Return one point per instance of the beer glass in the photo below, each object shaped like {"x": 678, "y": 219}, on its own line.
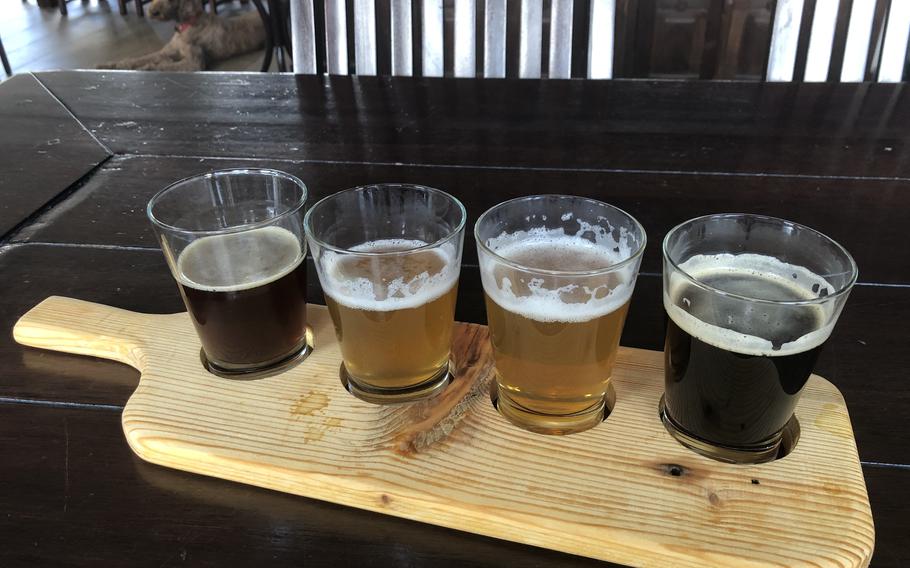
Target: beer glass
{"x": 388, "y": 258}
{"x": 234, "y": 242}
{"x": 750, "y": 301}
{"x": 558, "y": 272}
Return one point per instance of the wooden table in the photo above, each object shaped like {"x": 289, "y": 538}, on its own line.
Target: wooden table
{"x": 82, "y": 152}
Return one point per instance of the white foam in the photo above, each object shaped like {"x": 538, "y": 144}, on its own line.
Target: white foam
{"x": 799, "y": 280}
{"x": 552, "y": 298}
{"x": 398, "y": 293}
{"x": 239, "y": 261}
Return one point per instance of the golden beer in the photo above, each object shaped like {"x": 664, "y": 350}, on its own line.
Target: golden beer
{"x": 554, "y": 367}
{"x": 393, "y": 315}
{"x": 558, "y": 272}
{"x": 555, "y": 337}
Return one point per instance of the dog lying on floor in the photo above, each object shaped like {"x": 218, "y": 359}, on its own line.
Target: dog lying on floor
{"x": 200, "y": 38}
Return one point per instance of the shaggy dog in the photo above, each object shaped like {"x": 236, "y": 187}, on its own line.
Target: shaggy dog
{"x": 200, "y": 39}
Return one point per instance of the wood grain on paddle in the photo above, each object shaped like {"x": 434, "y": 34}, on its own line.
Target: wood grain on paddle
{"x": 624, "y": 491}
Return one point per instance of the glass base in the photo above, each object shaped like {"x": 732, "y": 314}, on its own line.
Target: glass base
{"x": 267, "y": 369}
{"x": 758, "y": 453}
{"x": 428, "y": 388}
{"x": 553, "y": 424}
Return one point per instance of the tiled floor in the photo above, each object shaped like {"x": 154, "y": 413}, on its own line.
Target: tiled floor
{"x": 39, "y": 39}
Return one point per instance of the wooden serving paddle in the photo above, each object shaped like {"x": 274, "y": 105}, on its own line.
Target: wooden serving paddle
{"x": 624, "y": 491}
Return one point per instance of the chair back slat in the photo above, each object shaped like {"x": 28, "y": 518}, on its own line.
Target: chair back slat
{"x": 365, "y": 37}
{"x": 336, "y": 38}
{"x": 856, "y": 51}
{"x": 821, "y": 40}
{"x": 530, "y": 39}
{"x": 894, "y": 50}
{"x": 303, "y": 43}
{"x": 784, "y": 40}
{"x": 432, "y": 41}
{"x": 600, "y": 39}
{"x": 401, "y": 38}
{"x": 465, "y": 38}
{"x": 561, "y": 16}
{"x": 494, "y": 39}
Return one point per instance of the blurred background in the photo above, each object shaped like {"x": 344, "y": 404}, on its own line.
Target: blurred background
{"x": 686, "y": 39}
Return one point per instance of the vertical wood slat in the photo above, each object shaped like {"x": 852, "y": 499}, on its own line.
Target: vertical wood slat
{"x": 494, "y": 42}
{"x": 303, "y": 34}
{"x": 365, "y": 37}
{"x": 336, "y": 38}
{"x": 894, "y": 50}
{"x": 784, "y": 40}
{"x": 879, "y": 22}
{"x": 600, "y": 39}
{"x": 402, "y": 38}
{"x": 465, "y": 38}
{"x": 561, "y": 14}
{"x": 432, "y": 40}
{"x": 531, "y": 37}
{"x": 821, "y": 40}
{"x": 856, "y": 51}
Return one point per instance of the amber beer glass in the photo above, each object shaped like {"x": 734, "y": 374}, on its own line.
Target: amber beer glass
{"x": 750, "y": 302}
{"x": 388, "y": 258}
{"x": 558, "y": 272}
{"x": 234, "y": 242}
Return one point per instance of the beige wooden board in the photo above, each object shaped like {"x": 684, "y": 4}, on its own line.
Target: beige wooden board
{"x": 607, "y": 493}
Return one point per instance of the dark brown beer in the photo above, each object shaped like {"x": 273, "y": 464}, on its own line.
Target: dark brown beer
{"x": 246, "y": 295}
{"x": 738, "y": 385}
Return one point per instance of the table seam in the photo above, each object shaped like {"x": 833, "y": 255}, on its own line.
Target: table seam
{"x": 503, "y": 167}
{"x": 72, "y": 114}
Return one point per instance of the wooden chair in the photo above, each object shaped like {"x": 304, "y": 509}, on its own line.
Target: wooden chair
{"x": 871, "y": 52}
{"x": 418, "y": 26}
{"x": 412, "y": 37}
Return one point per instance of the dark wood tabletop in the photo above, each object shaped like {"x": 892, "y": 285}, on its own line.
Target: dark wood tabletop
{"x": 81, "y": 153}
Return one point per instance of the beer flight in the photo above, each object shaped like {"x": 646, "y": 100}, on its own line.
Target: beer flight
{"x": 749, "y": 299}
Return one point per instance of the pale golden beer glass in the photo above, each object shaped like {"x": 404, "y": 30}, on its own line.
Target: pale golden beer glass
{"x": 388, "y": 258}
{"x": 558, "y": 272}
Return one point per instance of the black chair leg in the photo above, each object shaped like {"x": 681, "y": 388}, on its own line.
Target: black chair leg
{"x": 122, "y": 5}
{"x": 5, "y": 61}
{"x": 269, "y": 39}
{"x": 63, "y": 7}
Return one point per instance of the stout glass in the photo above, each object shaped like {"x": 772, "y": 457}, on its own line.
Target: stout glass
{"x": 234, "y": 242}
{"x": 750, "y": 302}
{"x": 558, "y": 272}
{"x": 388, "y": 258}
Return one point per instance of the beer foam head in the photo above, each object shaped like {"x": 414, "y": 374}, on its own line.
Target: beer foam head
{"x": 752, "y": 276}
{"x": 239, "y": 261}
{"x": 565, "y": 277}
{"x": 389, "y": 282}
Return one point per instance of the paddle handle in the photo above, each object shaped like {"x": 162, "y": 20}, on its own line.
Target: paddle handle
{"x": 86, "y": 328}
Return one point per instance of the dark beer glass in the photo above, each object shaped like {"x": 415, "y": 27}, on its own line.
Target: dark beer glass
{"x": 750, "y": 302}
{"x": 234, "y": 242}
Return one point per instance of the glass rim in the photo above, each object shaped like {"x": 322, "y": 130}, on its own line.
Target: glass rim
{"x": 854, "y": 270}
{"x": 296, "y": 207}
{"x": 310, "y": 233}
{"x": 613, "y": 267}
